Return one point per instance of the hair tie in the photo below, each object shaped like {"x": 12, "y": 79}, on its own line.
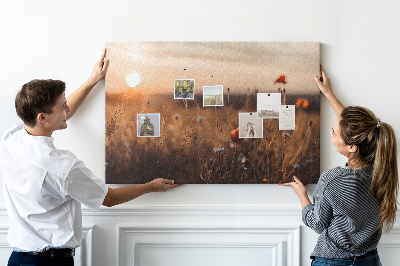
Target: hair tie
{"x": 379, "y": 124}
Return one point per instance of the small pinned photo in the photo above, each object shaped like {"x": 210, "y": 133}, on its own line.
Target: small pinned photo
{"x": 268, "y": 105}
{"x": 213, "y": 95}
{"x": 148, "y": 125}
{"x": 184, "y": 89}
{"x": 250, "y": 126}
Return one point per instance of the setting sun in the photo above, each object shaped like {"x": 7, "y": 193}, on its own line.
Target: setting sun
{"x": 133, "y": 79}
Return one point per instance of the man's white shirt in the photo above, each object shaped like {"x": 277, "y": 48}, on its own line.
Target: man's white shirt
{"x": 44, "y": 188}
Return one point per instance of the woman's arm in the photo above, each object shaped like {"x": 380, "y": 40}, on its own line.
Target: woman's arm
{"x": 300, "y": 191}
{"x": 317, "y": 216}
{"x": 326, "y": 89}
{"x": 76, "y": 98}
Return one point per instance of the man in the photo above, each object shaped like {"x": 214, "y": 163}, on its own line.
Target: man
{"x": 44, "y": 187}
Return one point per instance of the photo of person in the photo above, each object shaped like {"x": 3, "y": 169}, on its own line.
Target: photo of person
{"x": 250, "y": 126}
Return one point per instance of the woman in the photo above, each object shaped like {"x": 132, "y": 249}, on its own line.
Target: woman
{"x": 355, "y": 203}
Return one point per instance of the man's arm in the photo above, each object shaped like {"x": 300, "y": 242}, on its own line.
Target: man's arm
{"x": 326, "y": 89}
{"x": 124, "y": 194}
{"x": 76, "y": 98}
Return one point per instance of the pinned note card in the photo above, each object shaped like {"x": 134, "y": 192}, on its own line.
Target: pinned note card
{"x": 287, "y": 117}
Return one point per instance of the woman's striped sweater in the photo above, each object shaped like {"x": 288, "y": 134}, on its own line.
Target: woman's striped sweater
{"x": 345, "y": 213}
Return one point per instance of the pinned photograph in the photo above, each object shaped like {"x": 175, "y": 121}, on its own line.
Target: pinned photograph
{"x": 184, "y": 89}
{"x": 268, "y": 105}
{"x": 213, "y": 95}
{"x": 250, "y": 126}
{"x": 148, "y": 125}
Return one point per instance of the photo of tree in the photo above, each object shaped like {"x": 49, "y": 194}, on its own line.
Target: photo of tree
{"x": 200, "y": 138}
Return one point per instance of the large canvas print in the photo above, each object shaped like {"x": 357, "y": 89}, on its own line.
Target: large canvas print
{"x": 173, "y": 110}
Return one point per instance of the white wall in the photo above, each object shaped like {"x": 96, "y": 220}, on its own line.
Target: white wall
{"x": 199, "y": 224}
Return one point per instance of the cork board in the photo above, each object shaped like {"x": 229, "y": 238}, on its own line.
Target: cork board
{"x": 187, "y": 111}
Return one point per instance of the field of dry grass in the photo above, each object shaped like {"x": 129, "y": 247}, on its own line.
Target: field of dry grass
{"x": 196, "y": 146}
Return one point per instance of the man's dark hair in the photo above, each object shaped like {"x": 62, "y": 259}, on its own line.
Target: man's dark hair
{"x": 37, "y": 96}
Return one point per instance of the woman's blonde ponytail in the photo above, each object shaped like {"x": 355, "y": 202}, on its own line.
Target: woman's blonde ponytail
{"x": 376, "y": 143}
{"x": 385, "y": 183}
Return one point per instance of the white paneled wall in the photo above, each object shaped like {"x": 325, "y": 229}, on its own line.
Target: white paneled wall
{"x": 168, "y": 236}
{"x": 199, "y": 224}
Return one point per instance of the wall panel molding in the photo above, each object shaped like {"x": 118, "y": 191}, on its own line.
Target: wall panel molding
{"x": 126, "y": 210}
{"x": 5, "y": 249}
{"x": 389, "y": 247}
{"x": 268, "y": 245}
{"x": 84, "y": 254}
{"x": 239, "y": 254}
{"x": 196, "y": 210}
